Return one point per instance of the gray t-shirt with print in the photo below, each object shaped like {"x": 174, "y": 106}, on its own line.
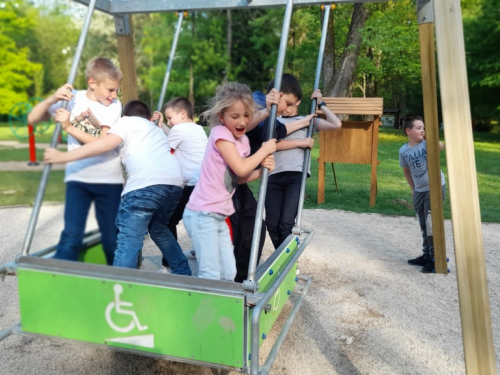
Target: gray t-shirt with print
{"x": 415, "y": 158}
{"x": 291, "y": 160}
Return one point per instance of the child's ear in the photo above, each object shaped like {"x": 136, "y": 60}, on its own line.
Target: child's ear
{"x": 297, "y": 103}
{"x": 91, "y": 83}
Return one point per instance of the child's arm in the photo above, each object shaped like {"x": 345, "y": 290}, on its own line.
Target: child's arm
{"x": 41, "y": 110}
{"x": 332, "y": 122}
{"x": 62, "y": 116}
{"x": 244, "y": 166}
{"x": 159, "y": 116}
{"x": 100, "y": 146}
{"x": 294, "y": 143}
{"x": 406, "y": 171}
{"x": 272, "y": 98}
{"x": 268, "y": 163}
{"x": 293, "y": 126}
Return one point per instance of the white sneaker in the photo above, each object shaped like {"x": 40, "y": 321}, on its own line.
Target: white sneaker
{"x": 164, "y": 269}
{"x": 190, "y": 254}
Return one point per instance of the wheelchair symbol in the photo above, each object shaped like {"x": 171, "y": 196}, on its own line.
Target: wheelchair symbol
{"x": 118, "y": 307}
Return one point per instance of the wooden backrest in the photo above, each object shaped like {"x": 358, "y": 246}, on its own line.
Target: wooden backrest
{"x": 351, "y": 144}
{"x": 355, "y": 106}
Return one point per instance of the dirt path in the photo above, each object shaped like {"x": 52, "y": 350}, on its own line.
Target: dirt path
{"x": 367, "y": 311}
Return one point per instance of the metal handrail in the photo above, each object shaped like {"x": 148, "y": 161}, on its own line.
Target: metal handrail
{"x": 307, "y": 153}
{"x": 250, "y": 283}
{"x": 55, "y": 137}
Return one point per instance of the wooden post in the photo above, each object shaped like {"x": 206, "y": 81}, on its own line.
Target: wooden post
{"x": 321, "y": 171}
{"x": 469, "y": 251}
{"x": 374, "y": 157}
{"x": 428, "y": 63}
{"x": 126, "y": 57}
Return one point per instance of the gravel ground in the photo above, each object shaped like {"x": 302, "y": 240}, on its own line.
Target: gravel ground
{"x": 367, "y": 311}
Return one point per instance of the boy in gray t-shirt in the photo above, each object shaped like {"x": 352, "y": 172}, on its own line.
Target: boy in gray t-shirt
{"x": 413, "y": 160}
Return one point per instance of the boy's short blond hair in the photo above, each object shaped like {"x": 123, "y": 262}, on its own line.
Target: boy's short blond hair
{"x": 100, "y": 68}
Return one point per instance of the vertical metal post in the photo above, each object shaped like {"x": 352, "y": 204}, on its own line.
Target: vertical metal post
{"x": 170, "y": 61}
{"x": 250, "y": 282}
{"x": 307, "y": 153}
{"x": 55, "y": 136}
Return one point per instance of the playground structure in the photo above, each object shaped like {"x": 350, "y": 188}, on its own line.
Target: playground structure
{"x": 247, "y": 311}
{"x": 18, "y": 123}
{"x": 355, "y": 143}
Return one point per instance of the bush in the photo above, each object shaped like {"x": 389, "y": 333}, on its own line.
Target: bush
{"x": 483, "y": 127}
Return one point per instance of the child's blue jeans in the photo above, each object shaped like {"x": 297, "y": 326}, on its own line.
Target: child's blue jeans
{"x": 149, "y": 209}
{"x": 212, "y": 244}
{"x": 79, "y": 197}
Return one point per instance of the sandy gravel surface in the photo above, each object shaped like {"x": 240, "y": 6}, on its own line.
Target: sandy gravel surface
{"x": 367, "y": 311}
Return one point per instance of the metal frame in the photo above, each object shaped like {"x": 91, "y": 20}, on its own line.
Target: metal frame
{"x": 154, "y": 6}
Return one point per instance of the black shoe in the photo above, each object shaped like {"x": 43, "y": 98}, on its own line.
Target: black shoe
{"x": 420, "y": 261}
{"x": 164, "y": 263}
{"x": 428, "y": 268}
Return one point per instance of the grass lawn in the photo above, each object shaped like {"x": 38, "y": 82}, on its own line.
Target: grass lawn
{"x": 394, "y": 195}
{"x": 393, "y": 198}
{"x": 21, "y": 187}
{"x": 6, "y": 134}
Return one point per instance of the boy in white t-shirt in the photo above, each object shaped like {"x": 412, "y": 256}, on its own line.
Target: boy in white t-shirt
{"x": 99, "y": 179}
{"x": 152, "y": 190}
{"x": 188, "y": 142}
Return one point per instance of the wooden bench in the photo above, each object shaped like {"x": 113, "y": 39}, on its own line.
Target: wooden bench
{"x": 355, "y": 143}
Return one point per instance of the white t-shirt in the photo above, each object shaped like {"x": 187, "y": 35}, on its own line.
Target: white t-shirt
{"x": 145, "y": 154}
{"x": 90, "y": 117}
{"x": 189, "y": 141}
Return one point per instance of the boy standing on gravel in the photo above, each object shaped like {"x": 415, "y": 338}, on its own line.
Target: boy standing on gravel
{"x": 413, "y": 160}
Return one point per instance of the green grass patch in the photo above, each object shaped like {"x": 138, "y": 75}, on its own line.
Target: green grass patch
{"x": 18, "y": 154}
{"x": 6, "y": 134}
{"x": 17, "y": 188}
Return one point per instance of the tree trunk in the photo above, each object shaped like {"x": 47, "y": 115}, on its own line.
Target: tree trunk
{"x": 328, "y": 68}
{"x": 344, "y": 75}
{"x": 229, "y": 44}
{"x": 191, "y": 73}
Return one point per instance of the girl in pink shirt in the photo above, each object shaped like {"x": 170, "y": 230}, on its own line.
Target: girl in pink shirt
{"x": 225, "y": 164}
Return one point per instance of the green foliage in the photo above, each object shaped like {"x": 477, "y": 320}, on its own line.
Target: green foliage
{"x": 390, "y": 62}
{"x": 18, "y": 72}
{"x": 482, "y": 34}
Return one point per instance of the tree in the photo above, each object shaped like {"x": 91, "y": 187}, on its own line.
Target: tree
{"x": 482, "y": 34}
{"x": 18, "y": 72}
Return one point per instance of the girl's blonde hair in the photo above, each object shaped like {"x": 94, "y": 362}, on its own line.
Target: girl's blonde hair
{"x": 225, "y": 96}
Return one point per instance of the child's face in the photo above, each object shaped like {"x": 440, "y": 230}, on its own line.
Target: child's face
{"x": 288, "y": 105}
{"x": 236, "y": 118}
{"x": 104, "y": 92}
{"x": 417, "y": 133}
{"x": 173, "y": 118}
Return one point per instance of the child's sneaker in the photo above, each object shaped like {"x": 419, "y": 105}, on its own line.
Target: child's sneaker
{"x": 190, "y": 254}
{"x": 164, "y": 269}
{"x": 428, "y": 268}
{"x": 420, "y": 261}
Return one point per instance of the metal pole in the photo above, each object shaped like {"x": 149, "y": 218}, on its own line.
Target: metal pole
{"x": 9, "y": 331}
{"x": 170, "y": 61}
{"x": 249, "y": 283}
{"x": 307, "y": 153}
{"x": 53, "y": 143}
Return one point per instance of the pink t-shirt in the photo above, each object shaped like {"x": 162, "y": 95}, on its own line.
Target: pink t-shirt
{"x": 215, "y": 187}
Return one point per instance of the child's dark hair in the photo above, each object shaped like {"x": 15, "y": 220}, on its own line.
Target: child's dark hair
{"x": 137, "y": 108}
{"x": 289, "y": 85}
{"x": 180, "y": 103}
{"x": 408, "y": 124}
